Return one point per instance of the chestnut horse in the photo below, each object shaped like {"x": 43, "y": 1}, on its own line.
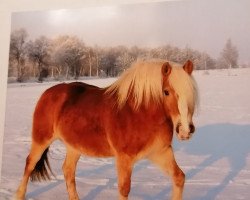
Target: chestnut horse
{"x": 132, "y": 119}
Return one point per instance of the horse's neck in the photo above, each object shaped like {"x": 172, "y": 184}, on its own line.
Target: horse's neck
{"x": 153, "y": 112}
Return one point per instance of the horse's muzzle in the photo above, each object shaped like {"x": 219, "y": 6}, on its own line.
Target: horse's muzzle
{"x": 185, "y": 134}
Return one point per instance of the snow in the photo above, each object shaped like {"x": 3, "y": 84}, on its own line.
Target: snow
{"x": 216, "y": 160}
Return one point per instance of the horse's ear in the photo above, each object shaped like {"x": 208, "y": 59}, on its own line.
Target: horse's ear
{"x": 166, "y": 69}
{"x": 188, "y": 67}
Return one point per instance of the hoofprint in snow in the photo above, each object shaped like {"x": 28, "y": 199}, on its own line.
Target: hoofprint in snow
{"x": 216, "y": 160}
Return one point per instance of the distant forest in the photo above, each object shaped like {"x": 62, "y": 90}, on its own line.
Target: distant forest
{"x": 68, "y": 57}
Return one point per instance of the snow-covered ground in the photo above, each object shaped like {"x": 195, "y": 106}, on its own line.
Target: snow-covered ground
{"x": 216, "y": 161}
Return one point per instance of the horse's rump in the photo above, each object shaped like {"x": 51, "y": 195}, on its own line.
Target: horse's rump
{"x": 73, "y": 113}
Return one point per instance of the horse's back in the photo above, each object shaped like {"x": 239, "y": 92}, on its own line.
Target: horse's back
{"x": 54, "y": 97}
{"x": 58, "y": 95}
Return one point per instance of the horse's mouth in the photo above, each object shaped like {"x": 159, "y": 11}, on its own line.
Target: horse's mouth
{"x": 183, "y": 137}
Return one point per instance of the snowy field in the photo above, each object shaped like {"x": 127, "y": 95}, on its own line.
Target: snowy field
{"x": 216, "y": 161}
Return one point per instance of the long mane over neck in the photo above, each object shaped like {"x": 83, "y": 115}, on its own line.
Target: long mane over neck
{"x": 142, "y": 82}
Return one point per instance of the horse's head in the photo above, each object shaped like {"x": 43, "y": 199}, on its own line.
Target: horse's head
{"x": 179, "y": 98}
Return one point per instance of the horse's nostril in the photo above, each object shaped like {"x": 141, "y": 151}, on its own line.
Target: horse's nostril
{"x": 177, "y": 128}
{"x": 191, "y": 128}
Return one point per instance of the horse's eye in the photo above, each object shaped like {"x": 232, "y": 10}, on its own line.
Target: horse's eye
{"x": 166, "y": 92}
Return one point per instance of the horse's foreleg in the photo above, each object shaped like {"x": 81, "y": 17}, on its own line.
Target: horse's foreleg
{"x": 166, "y": 161}
{"x": 124, "y": 169}
{"x": 69, "y": 168}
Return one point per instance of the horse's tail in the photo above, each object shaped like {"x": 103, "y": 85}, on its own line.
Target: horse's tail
{"x": 42, "y": 169}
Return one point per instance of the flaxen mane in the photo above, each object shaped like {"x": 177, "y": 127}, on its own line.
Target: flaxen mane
{"x": 143, "y": 82}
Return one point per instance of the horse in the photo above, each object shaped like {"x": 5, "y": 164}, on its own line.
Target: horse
{"x": 132, "y": 119}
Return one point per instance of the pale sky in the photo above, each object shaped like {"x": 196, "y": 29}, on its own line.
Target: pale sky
{"x": 204, "y": 25}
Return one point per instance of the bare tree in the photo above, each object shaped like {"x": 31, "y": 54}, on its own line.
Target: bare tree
{"x": 167, "y": 52}
{"x": 38, "y": 52}
{"x": 17, "y": 51}
{"x": 90, "y": 55}
{"x": 108, "y": 61}
{"x": 124, "y": 59}
{"x": 137, "y": 52}
{"x": 229, "y": 55}
{"x": 97, "y": 54}
{"x": 69, "y": 53}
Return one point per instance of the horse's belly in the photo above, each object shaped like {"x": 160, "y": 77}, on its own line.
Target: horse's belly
{"x": 91, "y": 146}
{"x": 95, "y": 150}
{"x": 88, "y": 140}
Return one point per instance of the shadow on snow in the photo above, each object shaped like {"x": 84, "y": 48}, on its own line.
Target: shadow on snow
{"x": 217, "y": 141}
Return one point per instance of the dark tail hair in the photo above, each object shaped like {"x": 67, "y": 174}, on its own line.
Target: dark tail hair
{"x": 42, "y": 169}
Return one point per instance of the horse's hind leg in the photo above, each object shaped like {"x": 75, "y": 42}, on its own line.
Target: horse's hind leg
{"x": 124, "y": 169}
{"x": 166, "y": 161}
{"x": 36, "y": 153}
{"x": 69, "y": 168}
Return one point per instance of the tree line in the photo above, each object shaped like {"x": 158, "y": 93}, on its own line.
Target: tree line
{"x": 68, "y": 57}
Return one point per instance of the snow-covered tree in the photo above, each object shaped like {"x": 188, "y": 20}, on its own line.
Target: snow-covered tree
{"x": 108, "y": 61}
{"x": 124, "y": 59}
{"x": 166, "y": 52}
{"x": 229, "y": 56}
{"x": 38, "y": 52}
{"x": 68, "y": 55}
{"x": 17, "y": 51}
